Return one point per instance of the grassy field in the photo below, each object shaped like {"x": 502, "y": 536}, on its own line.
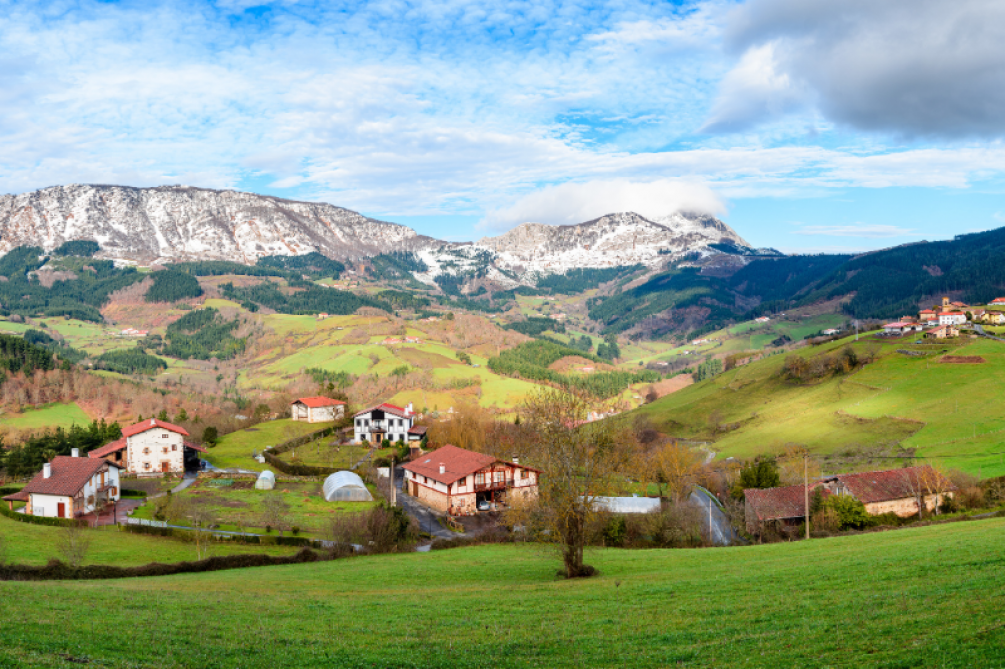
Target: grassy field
{"x": 949, "y": 412}
{"x": 240, "y": 505}
{"x": 322, "y": 453}
{"x": 920, "y": 597}
{"x": 50, "y": 416}
{"x": 234, "y": 449}
{"x": 25, "y": 543}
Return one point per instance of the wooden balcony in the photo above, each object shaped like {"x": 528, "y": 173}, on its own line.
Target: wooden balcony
{"x": 493, "y": 485}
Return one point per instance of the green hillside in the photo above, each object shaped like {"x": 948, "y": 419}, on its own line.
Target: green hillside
{"x": 949, "y": 412}
{"x": 920, "y": 597}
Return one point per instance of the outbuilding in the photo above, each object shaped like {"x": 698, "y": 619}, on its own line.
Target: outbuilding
{"x": 266, "y": 481}
{"x": 346, "y": 486}
{"x": 317, "y": 409}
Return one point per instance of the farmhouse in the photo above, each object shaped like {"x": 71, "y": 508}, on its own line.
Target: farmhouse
{"x": 994, "y": 317}
{"x": 317, "y": 409}
{"x": 952, "y": 318}
{"x": 900, "y": 327}
{"x": 69, "y": 487}
{"x": 998, "y": 301}
{"x": 386, "y": 421}
{"x": 898, "y": 491}
{"x": 151, "y": 448}
{"x": 942, "y": 332}
{"x": 458, "y": 481}
{"x": 785, "y": 506}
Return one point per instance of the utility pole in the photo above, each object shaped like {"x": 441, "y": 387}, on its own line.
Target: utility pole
{"x": 394, "y": 491}
{"x": 806, "y": 491}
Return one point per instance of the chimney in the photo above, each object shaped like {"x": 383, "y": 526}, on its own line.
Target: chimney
{"x": 516, "y": 459}
{"x": 46, "y": 470}
{"x": 74, "y": 452}
{"x": 443, "y": 468}
{"x": 408, "y": 409}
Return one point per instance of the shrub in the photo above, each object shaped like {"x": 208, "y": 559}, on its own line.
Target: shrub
{"x": 615, "y": 531}
{"x": 850, "y": 512}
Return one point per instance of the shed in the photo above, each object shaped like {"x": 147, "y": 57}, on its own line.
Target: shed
{"x": 346, "y": 487}
{"x": 627, "y": 504}
{"x": 266, "y": 481}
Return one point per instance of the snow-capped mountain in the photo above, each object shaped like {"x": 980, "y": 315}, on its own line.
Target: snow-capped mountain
{"x": 616, "y": 239}
{"x": 171, "y": 223}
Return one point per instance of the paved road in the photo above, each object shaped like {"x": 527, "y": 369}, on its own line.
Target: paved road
{"x": 426, "y": 518}
{"x": 722, "y": 532}
{"x": 979, "y": 329}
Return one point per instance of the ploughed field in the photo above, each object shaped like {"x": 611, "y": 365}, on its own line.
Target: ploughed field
{"x": 919, "y": 597}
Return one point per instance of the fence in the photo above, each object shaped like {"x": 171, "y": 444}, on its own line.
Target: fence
{"x": 146, "y": 523}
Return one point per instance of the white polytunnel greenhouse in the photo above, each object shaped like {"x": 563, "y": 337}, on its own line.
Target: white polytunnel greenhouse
{"x": 266, "y": 481}
{"x": 346, "y": 487}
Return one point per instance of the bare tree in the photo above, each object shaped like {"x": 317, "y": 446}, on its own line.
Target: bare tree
{"x": 72, "y": 542}
{"x": 200, "y": 517}
{"x": 275, "y": 511}
{"x": 580, "y": 462}
{"x": 677, "y": 467}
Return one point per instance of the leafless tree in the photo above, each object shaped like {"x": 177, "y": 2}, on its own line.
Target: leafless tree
{"x": 73, "y": 542}
{"x": 275, "y": 511}
{"x": 580, "y": 461}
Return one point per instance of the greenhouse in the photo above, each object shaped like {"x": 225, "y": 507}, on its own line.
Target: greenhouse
{"x": 266, "y": 481}
{"x": 346, "y": 487}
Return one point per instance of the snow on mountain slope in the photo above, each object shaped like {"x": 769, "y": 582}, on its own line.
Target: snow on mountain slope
{"x": 616, "y": 239}
{"x": 171, "y": 223}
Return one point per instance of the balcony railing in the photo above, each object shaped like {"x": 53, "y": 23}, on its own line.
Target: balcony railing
{"x": 493, "y": 485}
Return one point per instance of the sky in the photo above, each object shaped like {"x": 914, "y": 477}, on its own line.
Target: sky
{"x": 807, "y": 125}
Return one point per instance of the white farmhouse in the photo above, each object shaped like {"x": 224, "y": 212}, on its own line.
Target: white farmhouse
{"x": 150, "y": 448}
{"x": 69, "y": 487}
{"x": 952, "y": 318}
{"x": 317, "y": 409}
{"x": 386, "y": 421}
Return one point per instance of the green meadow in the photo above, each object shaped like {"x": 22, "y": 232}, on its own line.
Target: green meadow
{"x": 951, "y": 413}
{"x": 919, "y": 597}
{"x": 234, "y": 449}
{"x": 49, "y": 416}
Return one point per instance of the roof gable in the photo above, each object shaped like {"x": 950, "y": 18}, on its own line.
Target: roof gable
{"x": 779, "y": 503}
{"x": 67, "y": 476}
{"x": 457, "y": 462}
{"x": 386, "y": 408}
{"x": 317, "y": 402}
{"x": 108, "y": 449}
{"x": 143, "y": 426}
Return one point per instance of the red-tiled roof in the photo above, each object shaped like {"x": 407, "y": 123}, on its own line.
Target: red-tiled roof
{"x": 317, "y": 402}
{"x": 19, "y": 496}
{"x": 418, "y": 429}
{"x": 108, "y": 449}
{"x": 885, "y": 486}
{"x": 953, "y": 313}
{"x": 457, "y": 462}
{"x": 67, "y": 477}
{"x": 194, "y": 447}
{"x": 778, "y": 503}
{"x": 386, "y": 408}
{"x": 145, "y": 425}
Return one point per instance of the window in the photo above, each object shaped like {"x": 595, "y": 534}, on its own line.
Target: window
{"x": 165, "y": 435}
{"x": 146, "y": 465}
{"x": 164, "y": 450}
{"x": 146, "y": 451}
{"x": 174, "y": 447}
{"x": 524, "y": 474}
{"x": 500, "y": 476}
{"x": 479, "y": 479}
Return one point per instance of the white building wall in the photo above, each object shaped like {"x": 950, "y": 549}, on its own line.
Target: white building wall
{"x": 148, "y": 450}
{"x": 48, "y": 505}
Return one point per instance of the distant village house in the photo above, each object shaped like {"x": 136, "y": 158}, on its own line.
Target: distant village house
{"x": 151, "y": 448}
{"x": 386, "y": 421}
{"x": 69, "y": 487}
{"x": 317, "y": 409}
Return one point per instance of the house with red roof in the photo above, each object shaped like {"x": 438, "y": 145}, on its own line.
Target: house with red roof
{"x": 317, "y": 409}
{"x": 461, "y": 482}
{"x": 952, "y": 318}
{"x": 899, "y": 491}
{"x": 386, "y": 421}
{"x": 151, "y": 448}
{"x": 68, "y": 487}
{"x": 998, "y": 301}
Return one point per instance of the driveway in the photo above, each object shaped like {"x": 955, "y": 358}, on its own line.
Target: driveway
{"x": 426, "y": 517}
{"x": 713, "y": 518}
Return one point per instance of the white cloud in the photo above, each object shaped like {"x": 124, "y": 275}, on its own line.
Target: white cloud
{"x": 913, "y": 68}
{"x": 571, "y": 203}
{"x": 865, "y": 231}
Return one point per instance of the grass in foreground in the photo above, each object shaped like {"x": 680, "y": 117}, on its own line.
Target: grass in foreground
{"x": 922, "y": 597}
{"x": 25, "y": 543}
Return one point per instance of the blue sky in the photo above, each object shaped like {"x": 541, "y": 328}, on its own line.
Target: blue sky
{"x": 806, "y": 125}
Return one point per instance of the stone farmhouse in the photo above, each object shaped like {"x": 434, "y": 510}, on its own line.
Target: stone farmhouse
{"x": 69, "y": 487}
{"x": 150, "y": 448}
{"x": 458, "y": 481}
{"x": 317, "y": 409}
{"x": 899, "y": 491}
{"x": 386, "y": 421}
